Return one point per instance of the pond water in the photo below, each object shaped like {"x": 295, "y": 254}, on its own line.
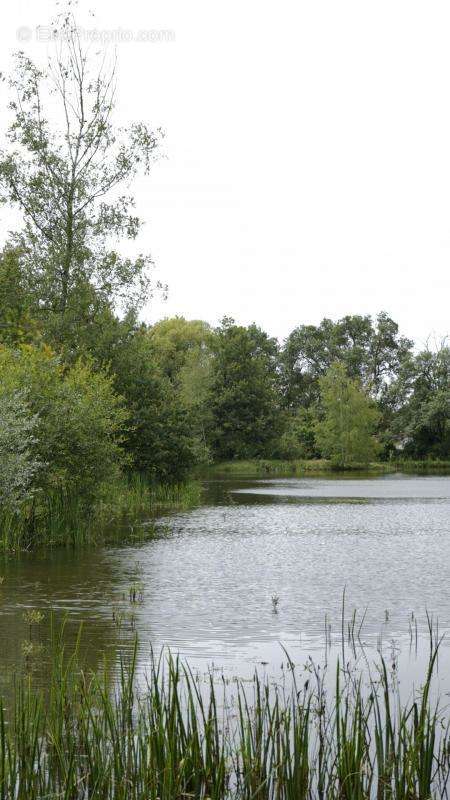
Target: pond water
{"x": 205, "y": 583}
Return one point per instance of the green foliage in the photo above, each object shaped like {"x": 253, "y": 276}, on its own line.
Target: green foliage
{"x": 159, "y": 439}
{"x": 244, "y": 400}
{"x": 272, "y": 466}
{"x": 183, "y": 349}
{"x": 298, "y": 438}
{"x": 417, "y": 407}
{"x": 369, "y": 351}
{"x": 78, "y": 418}
{"x": 67, "y": 181}
{"x": 345, "y": 434}
{"x": 81, "y": 737}
{"x": 178, "y": 341}
{"x": 17, "y": 323}
{"x": 132, "y": 495}
{"x": 19, "y": 467}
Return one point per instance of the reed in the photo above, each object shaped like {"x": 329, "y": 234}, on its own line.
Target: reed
{"x": 179, "y": 736}
{"x": 60, "y": 518}
{"x": 134, "y": 495}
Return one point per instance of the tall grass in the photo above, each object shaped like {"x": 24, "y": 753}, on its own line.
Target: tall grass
{"x": 56, "y": 518}
{"x": 61, "y": 518}
{"x": 180, "y": 737}
{"x": 134, "y": 495}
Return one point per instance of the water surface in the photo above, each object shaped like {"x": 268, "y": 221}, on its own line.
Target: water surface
{"x": 209, "y": 576}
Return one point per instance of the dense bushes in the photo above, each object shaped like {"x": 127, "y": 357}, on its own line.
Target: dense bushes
{"x": 62, "y": 428}
{"x": 297, "y": 439}
{"x": 160, "y": 439}
{"x": 19, "y": 464}
{"x": 68, "y": 430}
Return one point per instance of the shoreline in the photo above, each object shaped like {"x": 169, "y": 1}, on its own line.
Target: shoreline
{"x": 262, "y": 466}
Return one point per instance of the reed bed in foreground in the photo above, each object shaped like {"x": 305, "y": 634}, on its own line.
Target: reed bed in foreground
{"x": 179, "y": 736}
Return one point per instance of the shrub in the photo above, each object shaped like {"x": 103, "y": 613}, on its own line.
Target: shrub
{"x": 77, "y": 419}
{"x": 19, "y": 467}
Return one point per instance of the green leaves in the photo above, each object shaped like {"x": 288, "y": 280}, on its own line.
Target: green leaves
{"x": 66, "y": 181}
{"x": 19, "y": 464}
{"x": 371, "y": 351}
{"x": 69, "y": 422}
{"x": 244, "y": 399}
{"x": 345, "y": 434}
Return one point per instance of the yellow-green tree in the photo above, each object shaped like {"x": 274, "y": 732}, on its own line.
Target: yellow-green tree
{"x": 184, "y": 352}
{"x": 345, "y": 434}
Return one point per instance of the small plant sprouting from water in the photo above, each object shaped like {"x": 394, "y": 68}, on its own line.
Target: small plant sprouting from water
{"x": 118, "y": 617}
{"x": 275, "y": 600}
{"x": 413, "y": 631}
{"x": 123, "y": 618}
{"x": 32, "y": 618}
{"x": 136, "y": 592}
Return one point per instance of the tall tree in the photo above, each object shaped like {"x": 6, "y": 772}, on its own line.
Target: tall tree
{"x": 345, "y": 433}
{"x": 160, "y": 438}
{"x": 183, "y": 350}
{"x": 370, "y": 351}
{"x": 69, "y": 179}
{"x": 178, "y": 341}
{"x": 244, "y": 398}
{"x": 417, "y": 406}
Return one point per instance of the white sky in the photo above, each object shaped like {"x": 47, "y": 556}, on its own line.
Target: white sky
{"x": 308, "y": 153}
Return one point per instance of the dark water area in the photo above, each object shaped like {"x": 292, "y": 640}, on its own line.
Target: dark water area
{"x": 259, "y": 566}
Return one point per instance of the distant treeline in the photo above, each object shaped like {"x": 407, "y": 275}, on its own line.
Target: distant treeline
{"x": 88, "y": 393}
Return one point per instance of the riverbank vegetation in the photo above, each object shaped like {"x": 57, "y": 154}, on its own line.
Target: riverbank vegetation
{"x": 318, "y": 466}
{"x": 180, "y": 735}
{"x": 90, "y": 395}
{"x": 122, "y": 510}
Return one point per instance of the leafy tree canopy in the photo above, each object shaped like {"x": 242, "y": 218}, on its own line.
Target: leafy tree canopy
{"x": 371, "y": 351}
{"x": 345, "y": 432}
{"x": 70, "y": 182}
{"x": 244, "y": 400}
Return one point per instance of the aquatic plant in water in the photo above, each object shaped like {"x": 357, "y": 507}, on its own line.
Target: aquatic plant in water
{"x": 182, "y": 735}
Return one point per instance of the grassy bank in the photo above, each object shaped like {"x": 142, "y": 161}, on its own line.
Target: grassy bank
{"x": 58, "y": 518}
{"x": 299, "y": 467}
{"x": 182, "y": 737}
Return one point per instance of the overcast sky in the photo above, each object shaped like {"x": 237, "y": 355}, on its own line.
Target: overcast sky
{"x": 308, "y": 152}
